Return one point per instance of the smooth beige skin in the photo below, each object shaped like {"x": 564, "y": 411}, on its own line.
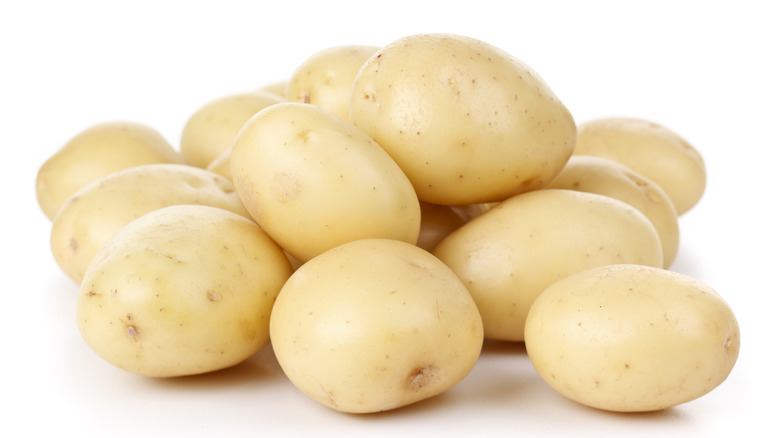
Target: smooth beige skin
{"x": 650, "y": 149}
{"x": 374, "y": 325}
{"x": 438, "y": 221}
{"x": 183, "y": 290}
{"x": 507, "y": 256}
{"x": 212, "y": 128}
{"x": 466, "y": 121}
{"x": 325, "y": 78}
{"x": 607, "y": 177}
{"x": 313, "y": 181}
{"x": 221, "y": 164}
{"x": 632, "y": 338}
{"x": 97, "y": 211}
{"x": 278, "y": 88}
{"x": 95, "y": 152}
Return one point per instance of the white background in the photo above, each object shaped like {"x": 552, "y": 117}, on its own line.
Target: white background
{"x": 708, "y": 70}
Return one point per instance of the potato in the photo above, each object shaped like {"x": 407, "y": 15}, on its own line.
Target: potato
{"x": 221, "y": 164}
{"x": 182, "y": 290}
{"x": 467, "y": 122}
{"x": 508, "y": 255}
{"x": 313, "y": 181}
{"x": 99, "y": 209}
{"x": 374, "y": 325}
{"x": 631, "y": 338}
{"x": 211, "y": 129}
{"x": 650, "y": 149}
{"x": 95, "y": 152}
{"x": 325, "y": 78}
{"x": 437, "y": 222}
{"x": 607, "y": 177}
{"x": 278, "y": 88}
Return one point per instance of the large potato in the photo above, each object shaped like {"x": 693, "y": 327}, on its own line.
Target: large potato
{"x": 508, "y": 255}
{"x": 95, "y": 152}
{"x": 607, "y": 177}
{"x": 185, "y": 289}
{"x": 631, "y": 338}
{"x": 211, "y": 129}
{"x": 650, "y": 149}
{"x": 373, "y": 325}
{"x": 99, "y": 209}
{"x": 314, "y": 181}
{"x": 325, "y": 78}
{"x": 466, "y": 121}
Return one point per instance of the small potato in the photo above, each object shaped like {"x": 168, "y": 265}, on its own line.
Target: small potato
{"x": 631, "y": 338}
{"x": 508, "y": 255}
{"x": 374, "y": 325}
{"x": 95, "y": 152}
{"x": 185, "y": 289}
{"x": 99, "y": 209}
{"x": 212, "y": 128}
{"x": 314, "y": 181}
{"x": 467, "y": 122}
{"x": 437, "y": 222}
{"x": 650, "y": 149}
{"x": 325, "y": 78}
{"x": 607, "y": 177}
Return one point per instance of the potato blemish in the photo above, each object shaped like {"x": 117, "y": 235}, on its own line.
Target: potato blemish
{"x": 421, "y": 377}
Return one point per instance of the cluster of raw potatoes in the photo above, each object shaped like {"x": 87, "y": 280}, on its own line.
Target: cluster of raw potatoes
{"x": 376, "y": 218}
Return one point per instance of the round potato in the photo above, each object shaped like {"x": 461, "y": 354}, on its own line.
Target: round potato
{"x": 185, "y": 289}
{"x": 314, "y": 181}
{"x": 212, "y": 128}
{"x": 631, "y": 338}
{"x": 325, "y": 78}
{"x": 607, "y": 177}
{"x": 374, "y": 325}
{"x": 467, "y": 122}
{"x": 650, "y": 149}
{"x": 99, "y": 209}
{"x": 95, "y": 152}
{"x": 508, "y": 255}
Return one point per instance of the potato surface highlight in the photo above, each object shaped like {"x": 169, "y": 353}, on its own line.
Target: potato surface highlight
{"x": 185, "y": 289}
{"x": 508, "y": 255}
{"x": 314, "y": 181}
{"x": 99, "y": 209}
{"x": 467, "y": 122}
{"x": 95, "y": 152}
{"x": 632, "y": 338}
{"x": 650, "y": 149}
{"x": 374, "y": 325}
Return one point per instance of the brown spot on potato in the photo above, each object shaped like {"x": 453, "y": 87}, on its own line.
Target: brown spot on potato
{"x": 421, "y": 377}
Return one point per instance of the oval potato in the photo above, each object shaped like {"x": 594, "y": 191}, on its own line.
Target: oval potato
{"x": 650, "y": 149}
{"x": 607, "y": 177}
{"x": 95, "y": 152}
{"x": 374, "y": 325}
{"x": 314, "y": 181}
{"x": 467, "y": 122}
{"x": 99, "y": 209}
{"x": 631, "y": 338}
{"x": 508, "y": 255}
{"x": 182, "y": 290}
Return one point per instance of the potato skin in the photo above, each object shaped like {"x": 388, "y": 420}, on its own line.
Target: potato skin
{"x": 374, "y": 325}
{"x": 211, "y": 129}
{"x": 607, "y": 177}
{"x": 508, "y": 255}
{"x": 650, "y": 149}
{"x": 632, "y": 338}
{"x": 95, "y": 152}
{"x": 313, "y": 181}
{"x": 99, "y": 209}
{"x": 325, "y": 78}
{"x": 185, "y": 289}
{"x": 466, "y": 121}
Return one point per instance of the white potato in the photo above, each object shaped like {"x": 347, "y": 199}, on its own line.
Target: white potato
{"x": 632, "y": 338}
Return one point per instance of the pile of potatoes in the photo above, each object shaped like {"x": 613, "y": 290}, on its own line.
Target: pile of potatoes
{"x": 379, "y": 215}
